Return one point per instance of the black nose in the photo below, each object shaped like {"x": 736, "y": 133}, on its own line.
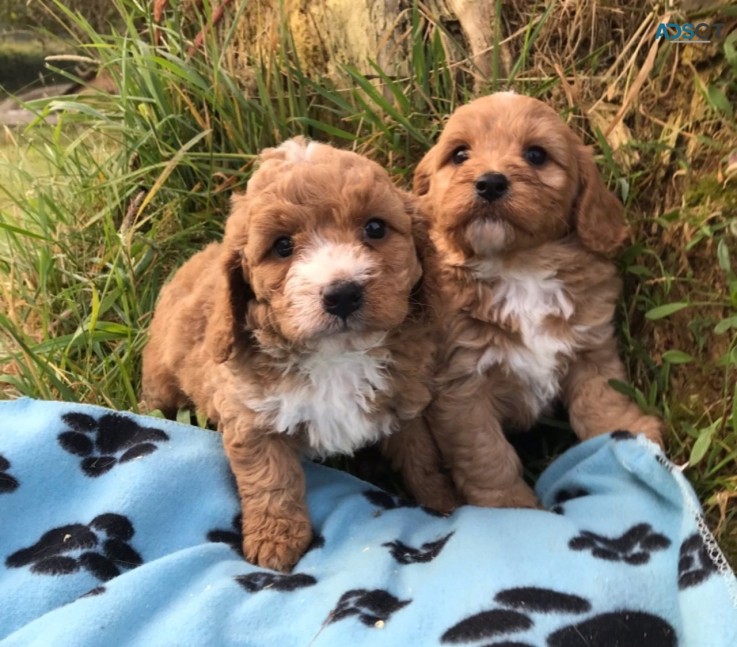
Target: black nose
{"x": 491, "y": 186}
{"x": 342, "y": 299}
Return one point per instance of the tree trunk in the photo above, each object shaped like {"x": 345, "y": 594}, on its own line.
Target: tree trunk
{"x": 330, "y": 34}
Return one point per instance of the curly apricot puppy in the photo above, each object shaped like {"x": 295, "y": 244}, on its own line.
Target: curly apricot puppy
{"x": 524, "y": 226}
{"x": 310, "y": 328}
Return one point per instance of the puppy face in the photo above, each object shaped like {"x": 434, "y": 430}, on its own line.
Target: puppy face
{"x": 325, "y": 243}
{"x": 508, "y": 174}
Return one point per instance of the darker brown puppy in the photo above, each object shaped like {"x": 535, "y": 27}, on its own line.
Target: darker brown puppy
{"x": 524, "y": 228}
{"x": 310, "y": 328}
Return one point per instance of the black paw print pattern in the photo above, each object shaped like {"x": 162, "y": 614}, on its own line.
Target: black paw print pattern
{"x": 104, "y": 442}
{"x": 633, "y": 547}
{"x": 8, "y": 483}
{"x": 538, "y": 600}
{"x": 373, "y": 608}
{"x": 263, "y": 580}
{"x": 622, "y": 434}
{"x": 100, "y": 547}
{"x": 615, "y": 629}
{"x": 563, "y": 495}
{"x": 387, "y": 501}
{"x": 513, "y": 617}
{"x": 405, "y": 554}
{"x": 694, "y": 563}
{"x": 318, "y": 542}
{"x": 487, "y": 624}
{"x": 232, "y": 536}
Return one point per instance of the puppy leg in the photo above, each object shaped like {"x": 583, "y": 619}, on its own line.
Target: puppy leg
{"x": 271, "y": 485}
{"x": 485, "y": 467}
{"x": 413, "y": 452}
{"x": 160, "y": 388}
{"x": 594, "y": 407}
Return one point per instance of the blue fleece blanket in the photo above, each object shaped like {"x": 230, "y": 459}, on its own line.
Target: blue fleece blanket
{"x": 118, "y": 529}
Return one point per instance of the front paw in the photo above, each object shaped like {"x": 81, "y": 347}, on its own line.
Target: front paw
{"x": 650, "y": 426}
{"x": 439, "y": 494}
{"x": 276, "y": 543}
{"x": 518, "y": 495}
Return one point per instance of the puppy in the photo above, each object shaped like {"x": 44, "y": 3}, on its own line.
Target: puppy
{"x": 524, "y": 227}
{"x": 309, "y": 329}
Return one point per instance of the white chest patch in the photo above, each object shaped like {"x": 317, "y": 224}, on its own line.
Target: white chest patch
{"x": 530, "y": 298}
{"x": 331, "y": 398}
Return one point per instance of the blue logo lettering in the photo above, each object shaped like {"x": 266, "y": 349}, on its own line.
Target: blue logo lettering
{"x": 688, "y": 32}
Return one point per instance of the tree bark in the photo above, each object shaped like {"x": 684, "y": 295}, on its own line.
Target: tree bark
{"x": 330, "y": 34}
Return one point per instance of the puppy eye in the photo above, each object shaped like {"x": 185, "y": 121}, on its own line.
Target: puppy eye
{"x": 459, "y": 155}
{"x": 536, "y": 155}
{"x": 284, "y": 246}
{"x": 375, "y": 228}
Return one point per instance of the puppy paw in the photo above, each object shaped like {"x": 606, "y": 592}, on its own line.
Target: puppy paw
{"x": 276, "y": 543}
{"x": 519, "y": 495}
{"x": 440, "y": 496}
{"x": 650, "y": 426}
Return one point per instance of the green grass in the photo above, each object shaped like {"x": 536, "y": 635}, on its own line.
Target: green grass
{"x": 9, "y": 159}
{"x": 97, "y": 211}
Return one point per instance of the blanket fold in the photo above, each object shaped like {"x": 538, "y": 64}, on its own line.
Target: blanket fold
{"x": 119, "y": 529}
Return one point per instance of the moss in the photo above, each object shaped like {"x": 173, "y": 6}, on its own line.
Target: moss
{"x": 709, "y": 190}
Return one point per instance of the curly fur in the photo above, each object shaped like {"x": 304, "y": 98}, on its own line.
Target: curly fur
{"x": 529, "y": 291}
{"x": 243, "y": 333}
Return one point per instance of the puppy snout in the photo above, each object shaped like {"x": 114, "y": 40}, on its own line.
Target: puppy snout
{"x": 491, "y": 186}
{"x": 342, "y": 299}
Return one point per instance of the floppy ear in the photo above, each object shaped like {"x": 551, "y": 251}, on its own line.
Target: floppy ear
{"x": 425, "y": 290}
{"x": 226, "y": 322}
{"x": 599, "y": 215}
{"x": 424, "y": 172}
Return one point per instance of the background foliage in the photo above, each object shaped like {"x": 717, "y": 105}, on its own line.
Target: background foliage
{"x": 40, "y": 16}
